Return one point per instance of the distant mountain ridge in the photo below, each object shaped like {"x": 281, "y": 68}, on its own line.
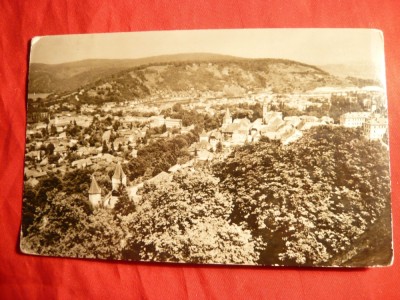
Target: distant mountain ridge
{"x": 181, "y": 72}
{"x": 45, "y": 78}
{"x": 356, "y": 69}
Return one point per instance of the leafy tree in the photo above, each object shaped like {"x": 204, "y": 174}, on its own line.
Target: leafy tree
{"x": 341, "y": 105}
{"x": 73, "y": 130}
{"x": 218, "y": 147}
{"x": 116, "y": 125}
{"x": 102, "y": 238}
{"x": 44, "y": 132}
{"x": 58, "y": 226}
{"x": 160, "y": 156}
{"x": 74, "y": 147}
{"x": 163, "y": 128}
{"x": 68, "y": 227}
{"x": 105, "y": 147}
{"x": 186, "y": 221}
{"x": 311, "y": 200}
{"x": 46, "y": 185}
{"x": 53, "y": 159}
{"x": 50, "y": 149}
{"x": 124, "y": 206}
{"x": 77, "y": 181}
{"x": 112, "y": 148}
{"x": 53, "y": 130}
{"x": 29, "y": 207}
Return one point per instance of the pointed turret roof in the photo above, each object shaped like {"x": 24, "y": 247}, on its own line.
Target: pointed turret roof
{"x": 266, "y": 103}
{"x": 94, "y": 187}
{"x": 119, "y": 173}
{"x": 227, "y": 114}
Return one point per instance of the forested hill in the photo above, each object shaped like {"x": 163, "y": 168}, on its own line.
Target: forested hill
{"x": 181, "y": 73}
{"x": 47, "y": 78}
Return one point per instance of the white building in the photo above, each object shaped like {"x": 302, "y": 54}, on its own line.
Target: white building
{"x": 173, "y": 123}
{"x": 354, "y": 119}
{"x": 375, "y": 127}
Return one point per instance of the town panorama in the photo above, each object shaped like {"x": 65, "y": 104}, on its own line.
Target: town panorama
{"x": 227, "y": 161}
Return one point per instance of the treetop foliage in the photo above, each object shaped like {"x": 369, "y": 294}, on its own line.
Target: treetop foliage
{"x": 309, "y": 200}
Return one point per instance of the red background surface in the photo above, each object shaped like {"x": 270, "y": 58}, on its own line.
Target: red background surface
{"x": 28, "y": 277}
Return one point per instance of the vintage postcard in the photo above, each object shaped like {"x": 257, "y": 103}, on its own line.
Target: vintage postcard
{"x": 242, "y": 147}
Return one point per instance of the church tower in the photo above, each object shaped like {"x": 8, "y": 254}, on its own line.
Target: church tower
{"x": 265, "y": 111}
{"x": 227, "y": 118}
{"x": 118, "y": 178}
{"x": 94, "y": 193}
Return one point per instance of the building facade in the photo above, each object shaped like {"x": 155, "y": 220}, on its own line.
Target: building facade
{"x": 354, "y": 119}
{"x": 375, "y": 128}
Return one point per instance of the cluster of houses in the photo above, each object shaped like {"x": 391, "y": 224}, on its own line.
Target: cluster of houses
{"x": 240, "y": 131}
{"x": 235, "y": 132}
{"x": 232, "y": 132}
{"x": 153, "y": 121}
{"x": 374, "y": 125}
{"x": 123, "y": 139}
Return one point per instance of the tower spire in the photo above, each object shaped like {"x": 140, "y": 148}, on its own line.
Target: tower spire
{"x": 265, "y": 110}
{"x": 94, "y": 193}
{"x": 94, "y": 187}
{"x": 118, "y": 178}
{"x": 227, "y": 118}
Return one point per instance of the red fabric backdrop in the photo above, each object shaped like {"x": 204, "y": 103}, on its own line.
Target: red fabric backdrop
{"x": 28, "y": 277}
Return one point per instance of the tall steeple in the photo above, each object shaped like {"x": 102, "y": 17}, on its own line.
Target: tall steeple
{"x": 94, "y": 193}
{"x": 118, "y": 178}
{"x": 227, "y": 118}
{"x": 265, "y": 110}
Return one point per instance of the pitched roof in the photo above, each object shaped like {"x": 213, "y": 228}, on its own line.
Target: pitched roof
{"x": 94, "y": 187}
{"x": 275, "y": 123}
{"x": 242, "y": 122}
{"x": 106, "y": 136}
{"x": 119, "y": 173}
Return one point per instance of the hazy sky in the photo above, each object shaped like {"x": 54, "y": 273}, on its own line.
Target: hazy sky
{"x": 313, "y": 46}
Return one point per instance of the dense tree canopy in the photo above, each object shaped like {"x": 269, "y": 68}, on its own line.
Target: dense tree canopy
{"x": 309, "y": 200}
{"x": 58, "y": 226}
{"x": 186, "y": 221}
{"x": 160, "y": 155}
{"x": 192, "y": 117}
{"x": 68, "y": 226}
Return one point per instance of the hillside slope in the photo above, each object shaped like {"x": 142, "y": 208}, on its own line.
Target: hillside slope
{"x": 182, "y": 73}
{"x": 44, "y": 78}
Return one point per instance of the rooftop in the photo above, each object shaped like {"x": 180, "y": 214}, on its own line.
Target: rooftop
{"x": 119, "y": 173}
{"x": 94, "y": 187}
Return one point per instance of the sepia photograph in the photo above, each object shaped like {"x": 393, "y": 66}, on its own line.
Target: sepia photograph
{"x": 263, "y": 147}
